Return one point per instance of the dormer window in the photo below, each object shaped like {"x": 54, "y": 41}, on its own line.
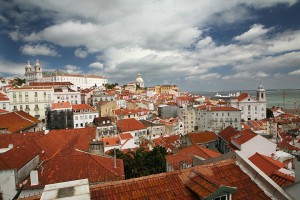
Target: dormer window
{"x": 224, "y": 197}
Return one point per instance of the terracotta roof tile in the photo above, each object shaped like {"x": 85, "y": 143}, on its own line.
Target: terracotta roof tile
{"x": 168, "y": 141}
{"x": 17, "y": 121}
{"x": 186, "y": 155}
{"x": 227, "y": 133}
{"x": 242, "y": 96}
{"x": 171, "y": 185}
{"x": 79, "y": 165}
{"x": 126, "y": 125}
{"x": 125, "y": 136}
{"x": 203, "y": 137}
{"x": 23, "y": 153}
{"x": 76, "y": 107}
{"x": 243, "y": 136}
{"x": 18, "y": 139}
{"x": 62, "y": 105}
{"x": 51, "y": 84}
{"x": 270, "y": 167}
{"x": 111, "y": 141}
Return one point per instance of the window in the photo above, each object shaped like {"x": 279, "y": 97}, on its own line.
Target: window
{"x": 81, "y": 124}
{"x": 14, "y": 95}
{"x": 26, "y": 94}
{"x": 76, "y": 117}
{"x": 4, "y": 106}
{"x": 249, "y": 108}
{"x": 76, "y": 125}
{"x": 35, "y": 94}
{"x": 222, "y": 197}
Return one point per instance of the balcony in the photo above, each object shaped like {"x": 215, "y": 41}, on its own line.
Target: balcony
{"x": 27, "y": 109}
{"x": 36, "y": 109}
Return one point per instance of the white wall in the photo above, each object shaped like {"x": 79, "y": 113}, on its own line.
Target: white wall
{"x": 7, "y": 184}
{"x": 258, "y": 144}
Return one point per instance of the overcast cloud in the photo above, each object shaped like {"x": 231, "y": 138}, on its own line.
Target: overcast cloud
{"x": 165, "y": 41}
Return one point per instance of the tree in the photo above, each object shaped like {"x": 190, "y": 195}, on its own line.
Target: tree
{"x": 141, "y": 162}
{"x": 269, "y": 113}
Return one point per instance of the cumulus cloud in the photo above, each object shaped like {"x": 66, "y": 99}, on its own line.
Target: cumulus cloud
{"x": 11, "y": 68}
{"x": 38, "y": 49}
{"x": 96, "y": 65}
{"x": 163, "y": 39}
{"x": 72, "y": 69}
{"x": 262, "y": 74}
{"x": 256, "y": 31}
{"x": 81, "y": 53}
{"x": 296, "y": 72}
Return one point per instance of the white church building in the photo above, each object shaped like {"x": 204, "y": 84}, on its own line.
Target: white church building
{"x": 82, "y": 81}
{"x": 252, "y": 108}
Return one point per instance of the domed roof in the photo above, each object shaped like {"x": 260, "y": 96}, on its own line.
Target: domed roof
{"x": 139, "y": 79}
{"x": 37, "y": 63}
{"x": 28, "y": 65}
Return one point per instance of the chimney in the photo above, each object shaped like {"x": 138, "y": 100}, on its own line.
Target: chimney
{"x": 34, "y": 178}
{"x": 96, "y": 147}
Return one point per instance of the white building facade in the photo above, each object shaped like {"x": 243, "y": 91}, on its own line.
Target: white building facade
{"x": 32, "y": 100}
{"x": 216, "y": 118}
{"x": 83, "y": 114}
{"x": 252, "y": 108}
{"x": 65, "y": 94}
{"x": 81, "y": 81}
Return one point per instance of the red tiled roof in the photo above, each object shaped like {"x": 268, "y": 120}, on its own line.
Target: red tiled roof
{"x": 266, "y": 164}
{"x": 82, "y": 107}
{"x": 203, "y": 137}
{"x": 3, "y": 111}
{"x": 186, "y": 155}
{"x": 125, "y": 136}
{"x": 282, "y": 179}
{"x": 3, "y": 97}
{"x": 111, "y": 141}
{"x": 79, "y": 165}
{"x": 161, "y": 186}
{"x": 18, "y": 156}
{"x": 65, "y": 141}
{"x": 131, "y": 111}
{"x": 62, "y": 105}
{"x": 242, "y": 96}
{"x": 246, "y": 126}
{"x": 270, "y": 167}
{"x": 243, "y": 136}
{"x": 205, "y": 186}
{"x": 50, "y": 83}
{"x": 167, "y": 142}
{"x": 126, "y": 125}
{"x": 223, "y": 108}
{"x": 171, "y": 185}
{"x": 17, "y": 121}
{"x": 227, "y": 133}
{"x": 19, "y": 139}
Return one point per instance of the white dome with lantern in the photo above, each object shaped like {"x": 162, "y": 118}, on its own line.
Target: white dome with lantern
{"x": 139, "y": 81}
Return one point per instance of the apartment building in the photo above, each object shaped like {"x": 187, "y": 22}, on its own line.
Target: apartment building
{"x": 32, "y": 99}
{"x": 216, "y": 118}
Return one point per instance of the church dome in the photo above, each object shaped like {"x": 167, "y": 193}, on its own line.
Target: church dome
{"x": 139, "y": 81}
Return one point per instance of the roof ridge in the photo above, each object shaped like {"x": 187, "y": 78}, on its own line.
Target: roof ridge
{"x": 23, "y": 117}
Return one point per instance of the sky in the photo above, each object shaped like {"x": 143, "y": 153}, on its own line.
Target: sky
{"x": 197, "y": 45}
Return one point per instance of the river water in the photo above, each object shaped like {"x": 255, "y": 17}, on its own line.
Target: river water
{"x": 289, "y": 98}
